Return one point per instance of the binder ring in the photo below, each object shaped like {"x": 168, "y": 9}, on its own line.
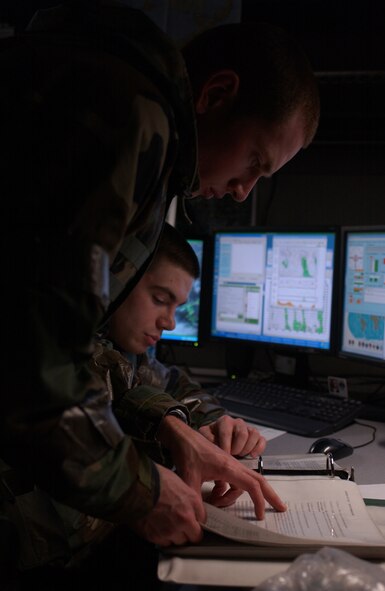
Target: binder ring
{"x": 330, "y": 465}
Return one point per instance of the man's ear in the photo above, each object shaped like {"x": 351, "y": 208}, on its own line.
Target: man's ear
{"x": 219, "y": 90}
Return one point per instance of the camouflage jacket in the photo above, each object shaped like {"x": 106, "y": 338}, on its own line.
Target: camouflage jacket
{"x": 143, "y": 390}
{"x": 97, "y": 135}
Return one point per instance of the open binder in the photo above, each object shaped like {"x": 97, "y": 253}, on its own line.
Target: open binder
{"x": 299, "y": 465}
{"x": 325, "y": 508}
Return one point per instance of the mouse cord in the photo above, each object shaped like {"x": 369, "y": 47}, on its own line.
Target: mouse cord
{"x": 374, "y": 429}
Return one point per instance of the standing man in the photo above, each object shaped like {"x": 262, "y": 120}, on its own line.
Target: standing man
{"x": 101, "y": 125}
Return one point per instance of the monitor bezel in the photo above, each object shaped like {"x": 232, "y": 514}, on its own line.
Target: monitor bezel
{"x": 281, "y": 348}
{"x": 341, "y": 354}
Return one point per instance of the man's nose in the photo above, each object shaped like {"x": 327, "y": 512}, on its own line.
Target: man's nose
{"x": 240, "y": 190}
{"x": 167, "y": 321}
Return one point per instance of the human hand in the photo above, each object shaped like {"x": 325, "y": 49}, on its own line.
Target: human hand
{"x": 198, "y": 460}
{"x": 177, "y": 515}
{"x": 234, "y": 436}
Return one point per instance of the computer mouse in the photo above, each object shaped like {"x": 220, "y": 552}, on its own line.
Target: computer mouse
{"x": 338, "y": 448}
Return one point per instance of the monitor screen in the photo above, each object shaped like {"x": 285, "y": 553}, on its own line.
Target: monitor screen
{"x": 274, "y": 287}
{"x": 187, "y": 317}
{"x": 362, "y": 313}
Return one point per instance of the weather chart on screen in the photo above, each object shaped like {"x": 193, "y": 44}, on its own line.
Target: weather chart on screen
{"x": 299, "y": 289}
{"x": 274, "y": 287}
{"x": 363, "y": 308}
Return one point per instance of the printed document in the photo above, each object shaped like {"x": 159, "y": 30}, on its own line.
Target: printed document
{"x": 320, "y": 510}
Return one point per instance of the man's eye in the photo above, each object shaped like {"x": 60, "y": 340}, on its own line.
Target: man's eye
{"x": 159, "y": 300}
{"x": 255, "y": 165}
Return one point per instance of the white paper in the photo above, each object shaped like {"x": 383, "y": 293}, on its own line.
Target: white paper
{"x": 267, "y": 432}
{"x": 319, "y": 510}
{"x": 373, "y": 491}
{"x": 208, "y": 571}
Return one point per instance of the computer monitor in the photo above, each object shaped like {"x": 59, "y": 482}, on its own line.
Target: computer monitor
{"x": 362, "y": 302}
{"x": 188, "y": 316}
{"x": 275, "y": 287}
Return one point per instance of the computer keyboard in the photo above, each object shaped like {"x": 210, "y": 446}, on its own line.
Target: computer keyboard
{"x": 291, "y": 409}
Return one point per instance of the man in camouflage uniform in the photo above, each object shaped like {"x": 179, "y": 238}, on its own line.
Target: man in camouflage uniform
{"x": 98, "y": 133}
{"x": 121, "y": 358}
{"x": 141, "y": 389}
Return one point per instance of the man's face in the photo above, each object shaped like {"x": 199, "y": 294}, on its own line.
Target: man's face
{"x": 149, "y": 309}
{"x": 234, "y": 154}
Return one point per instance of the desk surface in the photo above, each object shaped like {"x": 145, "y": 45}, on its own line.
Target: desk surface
{"x": 368, "y": 461}
{"x": 369, "y": 466}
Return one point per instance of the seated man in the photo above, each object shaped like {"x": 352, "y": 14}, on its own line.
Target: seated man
{"x": 121, "y": 358}
{"x": 145, "y": 396}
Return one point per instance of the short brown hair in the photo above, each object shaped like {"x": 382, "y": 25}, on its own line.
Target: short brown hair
{"x": 174, "y": 247}
{"x": 275, "y": 74}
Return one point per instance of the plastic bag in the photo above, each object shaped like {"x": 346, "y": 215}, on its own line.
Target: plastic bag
{"x": 329, "y": 569}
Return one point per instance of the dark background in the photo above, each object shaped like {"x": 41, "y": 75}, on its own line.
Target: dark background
{"x": 338, "y": 180}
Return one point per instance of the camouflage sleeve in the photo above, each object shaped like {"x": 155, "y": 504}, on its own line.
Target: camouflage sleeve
{"x": 141, "y": 409}
{"x": 139, "y": 402}
{"x": 55, "y": 299}
{"x": 204, "y": 408}
{"x": 58, "y": 427}
{"x": 83, "y": 166}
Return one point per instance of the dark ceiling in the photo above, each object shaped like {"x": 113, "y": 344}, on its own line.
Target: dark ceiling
{"x": 345, "y": 42}
{"x": 337, "y": 35}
